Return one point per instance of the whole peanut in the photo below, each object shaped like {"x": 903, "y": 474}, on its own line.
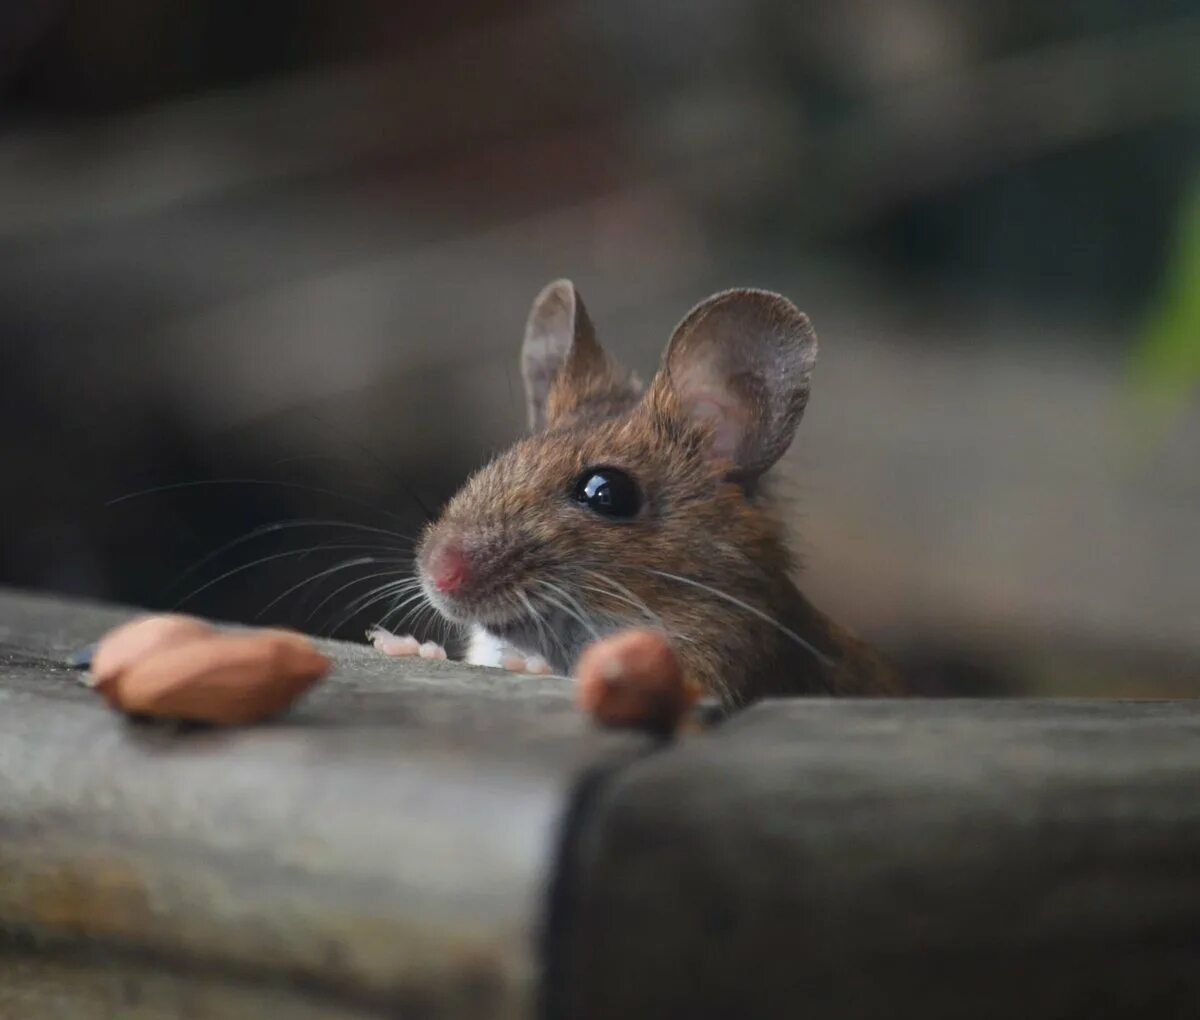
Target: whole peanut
{"x": 633, "y": 679}
{"x": 177, "y": 668}
{"x": 123, "y": 646}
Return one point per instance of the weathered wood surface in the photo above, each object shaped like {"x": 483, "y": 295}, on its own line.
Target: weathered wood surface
{"x": 948, "y": 859}
{"x": 428, "y": 840}
{"x": 384, "y": 850}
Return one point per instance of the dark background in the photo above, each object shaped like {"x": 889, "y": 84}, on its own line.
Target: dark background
{"x": 276, "y": 257}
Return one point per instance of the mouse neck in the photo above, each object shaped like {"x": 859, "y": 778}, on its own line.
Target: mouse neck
{"x": 844, "y": 664}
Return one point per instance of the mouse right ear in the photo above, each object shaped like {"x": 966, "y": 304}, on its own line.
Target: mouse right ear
{"x": 740, "y": 364}
{"x": 560, "y": 346}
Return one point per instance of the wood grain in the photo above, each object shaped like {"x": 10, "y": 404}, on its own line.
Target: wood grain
{"x": 385, "y": 846}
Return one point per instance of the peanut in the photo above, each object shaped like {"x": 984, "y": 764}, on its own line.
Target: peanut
{"x": 127, "y": 644}
{"x": 633, "y": 679}
{"x": 204, "y": 675}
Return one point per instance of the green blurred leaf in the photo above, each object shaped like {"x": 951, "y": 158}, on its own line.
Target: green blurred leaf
{"x": 1167, "y": 358}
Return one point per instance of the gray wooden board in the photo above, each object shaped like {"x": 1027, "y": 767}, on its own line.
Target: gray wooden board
{"x": 401, "y": 841}
{"x": 937, "y": 859}
{"x": 385, "y": 848}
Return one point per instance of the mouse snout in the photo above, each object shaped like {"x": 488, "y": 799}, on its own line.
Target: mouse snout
{"x": 446, "y": 565}
{"x": 463, "y": 567}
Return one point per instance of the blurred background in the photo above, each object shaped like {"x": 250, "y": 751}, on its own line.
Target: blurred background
{"x": 272, "y": 262}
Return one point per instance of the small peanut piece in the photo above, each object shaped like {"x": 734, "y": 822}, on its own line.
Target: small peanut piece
{"x": 179, "y": 668}
{"x": 634, "y": 679}
{"x": 122, "y": 647}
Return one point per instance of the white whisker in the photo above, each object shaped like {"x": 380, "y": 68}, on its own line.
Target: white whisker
{"x": 752, "y": 610}
{"x": 546, "y": 634}
{"x": 349, "y": 584}
{"x": 258, "y": 562}
{"x": 358, "y": 561}
{"x": 398, "y": 608}
{"x": 635, "y": 602}
{"x": 566, "y": 609}
{"x": 401, "y": 586}
{"x": 267, "y": 529}
{"x": 642, "y": 610}
{"x": 362, "y": 602}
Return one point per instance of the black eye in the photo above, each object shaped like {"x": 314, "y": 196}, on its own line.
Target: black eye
{"x": 608, "y": 491}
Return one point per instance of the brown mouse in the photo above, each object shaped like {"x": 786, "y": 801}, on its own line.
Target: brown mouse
{"x": 632, "y": 506}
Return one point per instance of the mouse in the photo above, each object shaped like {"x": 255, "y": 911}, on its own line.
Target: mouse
{"x": 632, "y": 505}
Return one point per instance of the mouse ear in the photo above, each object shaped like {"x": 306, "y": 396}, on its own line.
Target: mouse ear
{"x": 561, "y": 359}
{"x": 740, "y": 362}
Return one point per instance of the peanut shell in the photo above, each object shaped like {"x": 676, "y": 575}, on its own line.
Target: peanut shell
{"x": 231, "y": 679}
{"x": 121, "y": 647}
{"x": 633, "y": 679}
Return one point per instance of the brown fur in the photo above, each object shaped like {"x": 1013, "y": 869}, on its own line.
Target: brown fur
{"x": 704, "y": 518}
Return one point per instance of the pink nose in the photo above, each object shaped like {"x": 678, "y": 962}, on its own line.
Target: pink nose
{"x": 447, "y": 566}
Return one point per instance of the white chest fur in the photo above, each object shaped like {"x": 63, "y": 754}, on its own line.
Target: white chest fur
{"x": 485, "y": 649}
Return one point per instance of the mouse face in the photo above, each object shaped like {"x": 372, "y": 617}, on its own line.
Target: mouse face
{"x": 628, "y": 507}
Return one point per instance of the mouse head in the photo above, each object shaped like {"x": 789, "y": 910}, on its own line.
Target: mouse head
{"x": 629, "y": 505}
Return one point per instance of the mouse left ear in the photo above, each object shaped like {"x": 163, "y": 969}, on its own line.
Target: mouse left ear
{"x": 566, "y": 371}
{"x": 559, "y": 341}
{"x": 740, "y": 362}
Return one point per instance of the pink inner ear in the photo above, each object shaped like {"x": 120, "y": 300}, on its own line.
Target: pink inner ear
{"x": 725, "y": 415}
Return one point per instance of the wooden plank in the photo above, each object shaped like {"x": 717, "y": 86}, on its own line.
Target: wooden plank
{"x": 387, "y": 846}
{"x": 923, "y": 858}
{"x": 425, "y": 839}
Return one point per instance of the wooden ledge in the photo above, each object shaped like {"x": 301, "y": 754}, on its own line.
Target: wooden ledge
{"x": 427, "y": 839}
